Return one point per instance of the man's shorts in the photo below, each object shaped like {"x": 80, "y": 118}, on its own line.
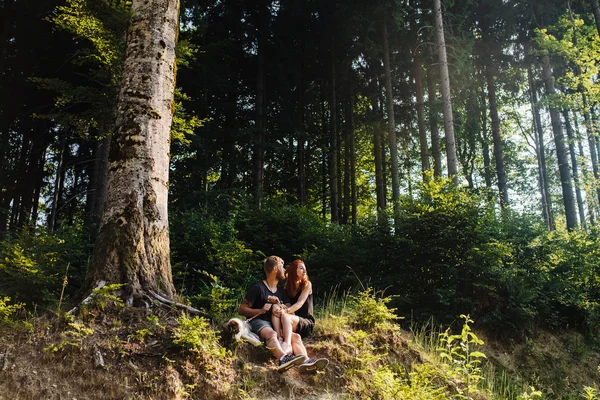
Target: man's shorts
{"x": 258, "y": 325}
{"x": 305, "y": 327}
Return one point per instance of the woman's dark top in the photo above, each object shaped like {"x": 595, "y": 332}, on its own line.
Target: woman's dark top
{"x": 306, "y": 311}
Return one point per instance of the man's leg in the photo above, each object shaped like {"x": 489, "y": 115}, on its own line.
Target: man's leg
{"x": 270, "y": 337}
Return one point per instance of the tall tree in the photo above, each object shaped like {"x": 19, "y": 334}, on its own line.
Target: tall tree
{"x": 391, "y": 124}
{"x": 132, "y": 246}
{"x": 561, "y": 153}
{"x": 446, "y": 96}
{"x": 497, "y": 139}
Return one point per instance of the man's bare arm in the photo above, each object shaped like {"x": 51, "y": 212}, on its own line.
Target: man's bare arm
{"x": 245, "y": 309}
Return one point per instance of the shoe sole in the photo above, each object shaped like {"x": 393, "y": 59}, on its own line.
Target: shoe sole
{"x": 293, "y": 363}
{"x": 318, "y": 365}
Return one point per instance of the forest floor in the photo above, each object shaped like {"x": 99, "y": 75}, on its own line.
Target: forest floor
{"x": 130, "y": 353}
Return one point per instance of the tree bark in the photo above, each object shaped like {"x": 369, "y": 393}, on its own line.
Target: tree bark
{"x": 259, "y": 151}
{"x": 596, "y": 10}
{"x": 132, "y": 247}
{"x": 446, "y": 95}
{"x": 433, "y": 124}
{"x": 541, "y": 153}
{"x": 497, "y": 139}
{"x": 561, "y": 154}
{"x": 574, "y": 166}
{"x": 391, "y": 127}
{"x": 333, "y": 141}
{"x": 483, "y": 138}
{"x": 591, "y": 135}
{"x": 421, "y": 118}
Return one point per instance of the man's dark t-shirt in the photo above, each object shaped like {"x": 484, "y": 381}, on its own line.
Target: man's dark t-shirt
{"x": 258, "y": 295}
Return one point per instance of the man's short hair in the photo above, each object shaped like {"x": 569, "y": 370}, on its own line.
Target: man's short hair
{"x": 271, "y": 262}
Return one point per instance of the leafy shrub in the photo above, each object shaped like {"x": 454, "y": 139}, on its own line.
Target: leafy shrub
{"x": 459, "y": 351}
{"x": 7, "y": 311}
{"x": 368, "y": 310}
{"x": 196, "y": 335}
{"x": 33, "y": 264}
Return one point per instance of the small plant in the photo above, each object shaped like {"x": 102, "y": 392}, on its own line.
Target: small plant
{"x": 7, "y": 311}
{"x": 368, "y": 310}
{"x": 590, "y": 393}
{"x": 72, "y": 337}
{"x": 104, "y": 295}
{"x": 195, "y": 334}
{"x": 529, "y": 394}
{"x": 458, "y": 351}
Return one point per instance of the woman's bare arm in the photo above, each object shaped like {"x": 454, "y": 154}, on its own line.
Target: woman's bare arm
{"x": 303, "y": 296}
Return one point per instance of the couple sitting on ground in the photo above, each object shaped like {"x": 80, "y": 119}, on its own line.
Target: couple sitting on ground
{"x": 282, "y": 317}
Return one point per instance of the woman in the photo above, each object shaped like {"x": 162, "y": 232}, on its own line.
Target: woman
{"x": 298, "y": 316}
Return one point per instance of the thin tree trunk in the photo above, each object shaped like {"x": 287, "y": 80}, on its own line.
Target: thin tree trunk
{"x": 498, "y": 152}
{"x": 391, "y": 127}
{"x": 98, "y": 182}
{"x": 333, "y": 141}
{"x": 421, "y": 118}
{"x": 259, "y": 151}
{"x": 596, "y": 10}
{"x": 324, "y": 154}
{"x": 433, "y": 124}
{"x": 58, "y": 182}
{"x": 352, "y": 145}
{"x": 561, "y": 154}
{"x": 301, "y": 139}
{"x": 483, "y": 138}
{"x": 39, "y": 182}
{"x": 585, "y": 171}
{"x": 446, "y": 95}
{"x": 575, "y": 167}
{"x": 132, "y": 246}
{"x": 541, "y": 153}
{"x": 347, "y": 200}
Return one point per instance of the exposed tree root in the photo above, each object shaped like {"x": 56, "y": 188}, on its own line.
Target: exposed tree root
{"x": 87, "y": 300}
{"x": 165, "y": 301}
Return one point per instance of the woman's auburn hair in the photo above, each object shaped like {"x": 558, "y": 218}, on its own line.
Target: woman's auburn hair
{"x": 293, "y": 284}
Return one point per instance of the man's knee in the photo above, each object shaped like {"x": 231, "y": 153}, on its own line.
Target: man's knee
{"x": 267, "y": 333}
{"x": 296, "y": 337}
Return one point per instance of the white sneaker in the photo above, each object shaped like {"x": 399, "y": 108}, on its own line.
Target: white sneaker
{"x": 286, "y": 348}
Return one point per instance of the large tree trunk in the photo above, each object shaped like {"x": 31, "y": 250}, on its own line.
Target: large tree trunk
{"x": 497, "y": 140}
{"x": 391, "y": 127}
{"x": 561, "y": 154}
{"x": 591, "y": 135}
{"x": 541, "y": 153}
{"x": 132, "y": 246}
{"x": 446, "y": 98}
{"x": 574, "y": 166}
{"x": 433, "y": 124}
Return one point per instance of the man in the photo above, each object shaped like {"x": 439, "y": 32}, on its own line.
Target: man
{"x": 257, "y": 306}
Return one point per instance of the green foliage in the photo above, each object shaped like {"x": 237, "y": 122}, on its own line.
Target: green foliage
{"x": 33, "y": 264}
{"x": 458, "y": 351}
{"x": 530, "y": 393}
{"x": 196, "y": 335}
{"x": 368, "y": 310}
{"x": 8, "y": 311}
{"x": 72, "y": 337}
{"x": 103, "y": 296}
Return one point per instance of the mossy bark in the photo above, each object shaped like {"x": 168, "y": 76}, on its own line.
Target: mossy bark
{"x": 132, "y": 246}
